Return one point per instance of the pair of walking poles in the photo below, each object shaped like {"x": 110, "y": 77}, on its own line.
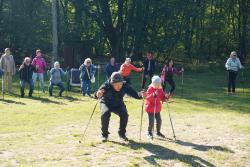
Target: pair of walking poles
{"x": 142, "y": 110}
{"x": 170, "y": 119}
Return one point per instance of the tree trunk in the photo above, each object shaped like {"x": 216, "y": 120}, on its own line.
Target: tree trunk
{"x": 54, "y": 31}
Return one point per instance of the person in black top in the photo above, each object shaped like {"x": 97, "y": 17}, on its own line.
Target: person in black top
{"x": 25, "y": 72}
{"x": 149, "y": 66}
{"x": 111, "y": 95}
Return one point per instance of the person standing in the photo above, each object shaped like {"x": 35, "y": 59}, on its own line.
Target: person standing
{"x": 149, "y": 68}
{"x": 233, "y": 65}
{"x": 40, "y": 65}
{"x": 111, "y": 67}
{"x": 25, "y": 73}
{"x": 127, "y": 68}
{"x": 87, "y": 75}
{"x": 7, "y": 64}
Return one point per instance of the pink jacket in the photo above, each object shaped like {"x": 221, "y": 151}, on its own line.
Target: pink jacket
{"x": 40, "y": 62}
{"x": 169, "y": 71}
{"x": 150, "y": 104}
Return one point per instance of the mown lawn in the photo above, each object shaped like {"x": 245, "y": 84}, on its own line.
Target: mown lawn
{"x": 212, "y": 129}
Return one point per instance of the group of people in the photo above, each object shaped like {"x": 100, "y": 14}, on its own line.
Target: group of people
{"x": 29, "y": 72}
{"x": 111, "y": 94}
{"x": 118, "y": 84}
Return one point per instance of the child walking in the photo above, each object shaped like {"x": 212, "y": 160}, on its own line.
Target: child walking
{"x": 154, "y": 98}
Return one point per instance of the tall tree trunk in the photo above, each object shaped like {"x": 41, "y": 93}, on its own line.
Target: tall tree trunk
{"x": 54, "y": 31}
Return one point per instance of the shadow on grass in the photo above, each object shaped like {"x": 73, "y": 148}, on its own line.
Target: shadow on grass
{"x": 45, "y": 100}
{"x": 203, "y": 147}
{"x": 69, "y": 98}
{"x": 160, "y": 152}
{"x": 11, "y": 101}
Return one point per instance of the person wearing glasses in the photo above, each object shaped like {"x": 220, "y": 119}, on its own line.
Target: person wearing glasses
{"x": 87, "y": 76}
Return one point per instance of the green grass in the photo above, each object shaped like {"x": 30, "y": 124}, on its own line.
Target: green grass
{"x": 212, "y": 129}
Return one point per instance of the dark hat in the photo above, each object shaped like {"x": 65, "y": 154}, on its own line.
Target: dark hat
{"x": 116, "y": 77}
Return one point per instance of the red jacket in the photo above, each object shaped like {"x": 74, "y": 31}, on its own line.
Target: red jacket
{"x": 150, "y": 100}
{"x": 126, "y": 70}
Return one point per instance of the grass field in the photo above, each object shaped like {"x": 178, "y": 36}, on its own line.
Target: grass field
{"x": 212, "y": 129}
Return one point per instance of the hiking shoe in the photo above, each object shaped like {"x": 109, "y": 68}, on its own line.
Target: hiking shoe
{"x": 104, "y": 139}
{"x": 123, "y": 137}
{"x": 150, "y": 136}
{"x": 160, "y": 135}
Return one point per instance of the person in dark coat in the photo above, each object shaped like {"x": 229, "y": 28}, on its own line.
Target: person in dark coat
{"x": 25, "y": 73}
{"x": 111, "y": 67}
{"x": 111, "y": 95}
{"x": 149, "y": 69}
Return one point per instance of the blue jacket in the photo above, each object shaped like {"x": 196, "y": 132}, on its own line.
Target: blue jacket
{"x": 56, "y": 75}
{"x": 110, "y": 69}
{"x": 83, "y": 71}
{"x": 1, "y": 72}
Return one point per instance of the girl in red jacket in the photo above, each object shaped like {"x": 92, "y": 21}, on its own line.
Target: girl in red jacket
{"x": 154, "y": 98}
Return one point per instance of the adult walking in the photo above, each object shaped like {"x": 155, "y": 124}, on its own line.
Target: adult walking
{"x": 167, "y": 76}
{"x": 149, "y": 68}
{"x": 7, "y": 64}
{"x": 111, "y": 94}
{"x": 127, "y": 68}
{"x": 233, "y": 65}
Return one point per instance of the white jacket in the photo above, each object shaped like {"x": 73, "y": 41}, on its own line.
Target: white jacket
{"x": 233, "y": 64}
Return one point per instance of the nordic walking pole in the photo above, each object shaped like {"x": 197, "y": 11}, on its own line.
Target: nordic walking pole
{"x": 182, "y": 83}
{"x": 84, "y": 132}
{"x": 142, "y": 109}
{"x": 171, "y": 121}
{"x": 38, "y": 87}
{"x": 3, "y": 86}
{"x": 243, "y": 83}
{"x": 154, "y": 116}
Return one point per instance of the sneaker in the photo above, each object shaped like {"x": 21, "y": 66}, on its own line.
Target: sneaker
{"x": 160, "y": 135}
{"x": 30, "y": 95}
{"x": 123, "y": 137}
{"x": 22, "y": 96}
{"x": 89, "y": 95}
{"x": 150, "y": 136}
{"x": 229, "y": 93}
{"x": 104, "y": 139}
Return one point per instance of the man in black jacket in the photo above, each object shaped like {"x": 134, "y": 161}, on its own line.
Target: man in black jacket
{"x": 25, "y": 72}
{"x": 111, "y": 95}
{"x": 149, "y": 66}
